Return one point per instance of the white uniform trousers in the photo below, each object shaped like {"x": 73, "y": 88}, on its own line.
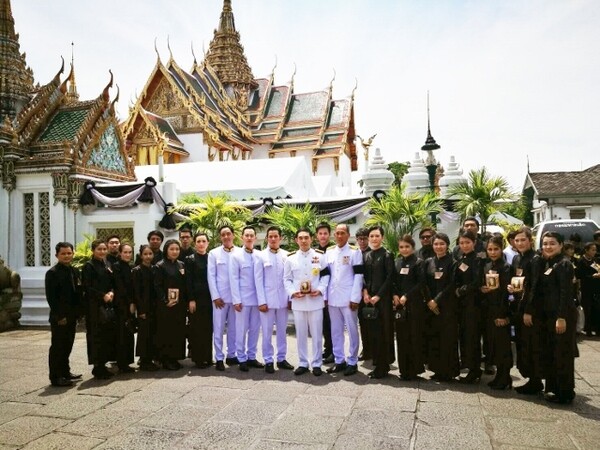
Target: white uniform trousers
{"x": 304, "y": 322}
{"x": 343, "y": 316}
{"x": 277, "y": 317}
{"x": 222, "y": 317}
{"x": 247, "y": 328}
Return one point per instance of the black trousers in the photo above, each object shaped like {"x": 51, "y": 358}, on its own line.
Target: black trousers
{"x": 364, "y": 332}
{"x": 201, "y": 334}
{"x": 61, "y": 345}
{"x": 328, "y": 343}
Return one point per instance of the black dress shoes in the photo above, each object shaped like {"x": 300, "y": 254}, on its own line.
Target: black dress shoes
{"x": 101, "y": 373}
{"x": 220, "y": 366}
{"x": 255, "y": 364}
{"x": 148, "y": 367}
{"x": 284, "y": 365}
{"x": 337, "y": 368}
{"x": 560, "y": 399}
{"x": 300, "y": 370}
{"x": 269, "y": 368}
{"x": 328, "y": 359}
{"x": 244, "y": 366}
{"x": 73, "y": 376}
{"x": 126, "y": 369}
{"x": 61, "y": 382}
{"x": 317, "y": 371}
{"x": 532, "y": 387}
{"x": 472, "y": 377}
{"x": 350, "y": 370}
{"x": 231, "y": 361}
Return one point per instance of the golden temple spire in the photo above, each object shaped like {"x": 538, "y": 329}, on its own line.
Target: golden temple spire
{"x": 72, "y": 94}
{"x": 226, "y": 55}
{"x": 16, "y": 79}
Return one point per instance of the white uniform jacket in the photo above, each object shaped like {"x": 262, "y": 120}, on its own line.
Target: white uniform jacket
{"x": 268, "y": 275}
{"x": 218, "y": 273}
{"x": 241, "y": 277}
{"x": 346, "y": 282}
{"x": 306, "y": 267}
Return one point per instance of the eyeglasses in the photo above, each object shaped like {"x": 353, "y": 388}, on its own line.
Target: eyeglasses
{"x": 425, "y": 236}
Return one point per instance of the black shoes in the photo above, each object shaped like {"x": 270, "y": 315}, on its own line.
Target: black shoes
{"x": 101, "y": 373}
{"x": 350, "y": 370}
{"x": 73, "y": 376}
{"x": 337, "y": 368}
{"x": 269, "y": 368}
{"x": 220, "y": 366}
{"x": 472, "y": 377}
{"x": 231, "y": 361}
{"x": 126, "y": 369}
{"x": 148, "y": 366}
{"x": 255, "y": 364}
{"x": 244, "y": 367}
{"x": 532, "y": 387}
{"x": 203, "y": 364}
{"x": 328, "y": 358}
{"x": 61, "y": 382}
{"x": 171, "y": 365}
{"x": 565, "y": 399}
{"x": 301, "y": 370}
{"x": 284, "y": 365}
{"x": 317, "y": 371}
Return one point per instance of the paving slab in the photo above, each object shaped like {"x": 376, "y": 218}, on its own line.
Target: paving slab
{"x": 105, "y": 422}
{"x": 179, "y": 417}
{"x": 276, "y": 391}
{"x": 321, "y": 405}
{"x": 142, "y": 438}
{"x": 220, "y": 435}
{"x": 25, "y": 429}
{"x": 450, "y": 415}
{"x": 211, "y": 397}
{"x": 381, "y": 422}
{"x": 305, "y": 428}
{"x": 444, "y": 438}
{"x": 267, "y": 444}
{"x": 368, "y": 441}
{"x": 75, "y": 406}
{"x": 529, "y": 433}
{"x": 63, "y": 441}
{"x": 251, "y": 412}
{"x": 12, "y": 410}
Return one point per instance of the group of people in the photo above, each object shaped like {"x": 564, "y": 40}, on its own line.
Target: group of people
{"x": 447, "y": 310}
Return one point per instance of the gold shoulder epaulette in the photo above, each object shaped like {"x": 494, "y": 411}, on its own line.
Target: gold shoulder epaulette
{"x": 319, "y": 251}
{"x": 331, "y": 247}
{"x": 353, "y": 247}
{"x": 292, "y": 253}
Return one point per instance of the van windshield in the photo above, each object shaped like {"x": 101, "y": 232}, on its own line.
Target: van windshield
{"x": 585, "y": 230}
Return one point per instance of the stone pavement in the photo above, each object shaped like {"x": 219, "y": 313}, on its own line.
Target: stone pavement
{"x": 194, "y": 408}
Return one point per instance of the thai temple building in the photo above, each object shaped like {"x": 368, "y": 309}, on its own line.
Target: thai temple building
{"x": 68, "y": 168}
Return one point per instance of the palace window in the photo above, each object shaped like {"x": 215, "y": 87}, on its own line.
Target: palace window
{"x": 37, "y": 228}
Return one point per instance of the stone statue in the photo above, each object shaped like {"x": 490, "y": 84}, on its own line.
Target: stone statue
{"x": 10, "y": 298}
{"x": 366, "y": 145}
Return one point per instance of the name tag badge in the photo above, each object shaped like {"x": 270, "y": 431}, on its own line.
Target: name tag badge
{"x": 463, "y": 267}
{"x": 438, "y": 275}
{"x": 404, "y": 271}
{"x": 346, "y": 260}
{"x": 182, "y": 271}
{"x": 519, "y": 272}
{"x": 548, "y": 272}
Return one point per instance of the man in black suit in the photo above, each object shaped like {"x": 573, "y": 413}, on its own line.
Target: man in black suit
{"x": 63, "y": 292}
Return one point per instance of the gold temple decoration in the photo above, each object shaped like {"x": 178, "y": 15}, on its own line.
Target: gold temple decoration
{"x": 226, "y": 55}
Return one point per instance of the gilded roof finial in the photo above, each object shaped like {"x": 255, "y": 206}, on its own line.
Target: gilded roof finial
{"x": 274, "y": 67}
{"x": 292, "y": 80}
{"x": 194, "y": 55}
{"x": 117, "y": 96}
{"x": 332, "y": 80}
{"x": 105, "y": 95}
{"x": 72, "y": 94}
{"x": 169, "y": 47}
{"x": 156, "y": 49}
{"x": 355, "y": 87}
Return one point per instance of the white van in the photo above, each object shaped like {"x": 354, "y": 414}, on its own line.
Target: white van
{"x": 585, "y": 228}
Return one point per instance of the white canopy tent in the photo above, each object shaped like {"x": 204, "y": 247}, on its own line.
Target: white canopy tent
{"x": 242, "y": 179}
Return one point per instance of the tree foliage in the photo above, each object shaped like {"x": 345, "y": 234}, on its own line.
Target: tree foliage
{"x": 212, "y": 212}
{"x": 399, "y": 169}
{"x": 401, "y": 213}
{"x": 481, "y": 195}
{"x": 290, "y": 218}
{"x": 83, "y": 251}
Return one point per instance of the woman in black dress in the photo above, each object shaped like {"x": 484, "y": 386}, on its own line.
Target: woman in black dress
{"x": 466, "y": 281}
{"x": 553, "y": 284}
{"x": 101, "y": 317}
{"x": 200, "y": 303}
{"x": 144, "y": 297}
{"x": 494, "y": 282}
{"x": 410, "y": 310}
{"x": 377, "y": 292}
{"x": 171, "y": 306}
{"x": 124, "y": 305}
{"x": 588, "y": 272}
{"x": 442, "y": 318}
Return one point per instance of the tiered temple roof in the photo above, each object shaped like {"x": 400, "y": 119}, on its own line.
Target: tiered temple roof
{"x": 235, "y": 112}
{"x": 47, "y": 129}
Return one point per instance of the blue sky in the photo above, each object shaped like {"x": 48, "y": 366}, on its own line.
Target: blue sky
{"x": 507, "y": 79}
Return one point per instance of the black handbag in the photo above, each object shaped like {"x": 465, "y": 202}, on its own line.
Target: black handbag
{"x": 401, "y": 314}
{"x": 370, "y": 313}
{"x": 107, "y": 314}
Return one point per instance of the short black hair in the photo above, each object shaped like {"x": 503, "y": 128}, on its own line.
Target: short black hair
{"x": 248, "y": 227}
{"x": 511, "y": 234}
{"x": 553, "y": 234}
{"x": 471, "y": 219}
{"x": 156, "y": 233}
{"x": 201, "y": 233}
{"x": 97, "y": 242}
{"x": 423, "y": 230}
{"x": 362, "y": 232}
{"x": 377, "y": 227}
{"x": 274, "y": 228}
{"x": 468, "y": 235}
{"x": 408, "y": 239}
{"x": 63, "y": 245}
{"x": 303, "y": 230}
{"x": 323, "y": 225}
{"x": 185, "y": 230}
{"x": 113, "y": 236}
{"x": 229, "y": 227}
{"x": 442, "y": 236}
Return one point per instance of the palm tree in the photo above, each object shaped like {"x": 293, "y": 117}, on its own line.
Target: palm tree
{"x": 290, "y": 218}
{"x": 211, "y": 213}
{"x": 401, "y": 213}
{"x": 481, "y": 195}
